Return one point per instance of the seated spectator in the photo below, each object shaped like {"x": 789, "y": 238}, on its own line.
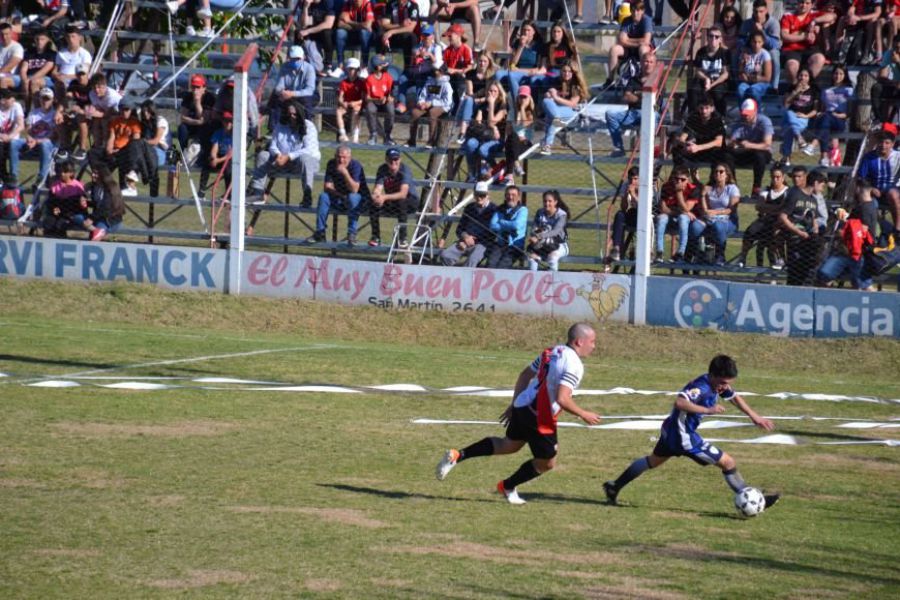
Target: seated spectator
{"x": 294, "y": 149}
{"x": 296, "y": 81}
{"x": 561, "y": 103}
{"x": 835, "y": 111}
{"x": 474, "y": 235}
{"x": 101, "y": 205}
{"x": 70, "y": 59}
{"x": 750, "y": 143}
{"x": 520, "y": 138}
{"x": 762, "y": 22}
{"x": 35, "y": 70}
{"x": 864, "y": 16}
{"x": 12, "y": 204}
{"x": 225, "y": 103}
{"x": 40, "y": 137}
{"x": 12, "y": 124}
{"x": 631, "y": 117}
{"x": 103, "y": 107}
{"x": 220, "y": 152}
{"x": 730, "y": 23}
{"x": 195, "y": 8}
{"x": 799, "y": 35}
{"x": 800, "y": 105}
{"x": 379, "y": 98}
{"x": 197, "y": 105}
{"x": 627, "y": 214}
{"x": 155, "y": 131}
{"x": 394, "y": 194}
{"x": 754, "y": 70}
{"x": 454, "y": 10}
{"x": 66, "y": 203}
{"x": 847, "y": 256}
{"x": 11, "y": 56}
{"x": 634, "y": 41}
{"x": 797, "y": 221}
{"x": 319, "y": 18}
{"x": 458, "y": 59}
{"x": 56, "y": 15}
{"x": 828, "y": 13}
{"x": 124, "y": 149}
{"x": 880, "y": 168}
{"x": 351, "y": 94}
{"x": 488, "y": 131}
{"x": 427, "y": 55}
{"x": 475, "y": 97}
{"x": 75, "y": 118}
{"x": 702, "y": 141}
{"x": 865, "y": 205}
{"x": 399, "y": 27}
{"x": 561, "y": 49}
{"x": 344, "y": 189}
{"x": 763, "y": 232}
{"x": 435, "y": 99}
{"x": 356, "y": 22}
{"x": 528, "y": 64}
{"x": 549, "y": 239}
{"x": 891, "y": 21}
{"x": 509, "y": 224}
{"x": 886, "y": 91}
{"x": 678, "y": 200}
{"x": 718, "y": 209}
{"x": 710, "y": 72}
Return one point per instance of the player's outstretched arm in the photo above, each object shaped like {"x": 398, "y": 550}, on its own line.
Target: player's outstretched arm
{"x": 565, "y": 401}
{"x": 759, "y": 421}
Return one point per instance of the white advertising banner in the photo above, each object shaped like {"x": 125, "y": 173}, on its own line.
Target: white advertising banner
{"x": 582, "y": 296}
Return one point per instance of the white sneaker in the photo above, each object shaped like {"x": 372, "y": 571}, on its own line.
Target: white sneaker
{"x": 336, "y": 72}
{"x": 173, "y": 6}
{"x": 355, "y": 136}
{"x": 189, "y": 30}
{"x": 512, "y": 496}
{"x": 824, "y": 162}
{"x": 446, "y": 465}
{"x": 342, "y": 137}
{"x": 809, "y": 149}
{"x": 204, "y": 13}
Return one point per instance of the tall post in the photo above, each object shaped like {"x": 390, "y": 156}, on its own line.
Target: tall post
{"x": 645, "y": 204}
{"x": 239, "y": 168}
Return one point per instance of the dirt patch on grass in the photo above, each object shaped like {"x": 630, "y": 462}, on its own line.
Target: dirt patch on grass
{"x": 687, "y": 552}
{"x": 18, "y": 482}
{"x": 178, "y": 429}
{"x": 511, "y": 556}
{"x": 202, "y": 578}
{"x": 165, "y": 500}
{"x": 68, "y": 552}
{"x": 631, "y": 589}
{"x": 94, "y": 479}
{"x": 342, "y": 516}
{"x": 322, "y": 585}
{"x": 391, "y": 583}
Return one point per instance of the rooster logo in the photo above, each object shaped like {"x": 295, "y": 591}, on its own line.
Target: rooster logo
{"x": 604, "y": 302}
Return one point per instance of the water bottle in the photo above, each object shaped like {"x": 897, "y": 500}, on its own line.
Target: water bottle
{"x": 172, "y": 178}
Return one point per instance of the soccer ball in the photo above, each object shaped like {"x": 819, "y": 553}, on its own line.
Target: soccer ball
{"x": 750, "y": 502}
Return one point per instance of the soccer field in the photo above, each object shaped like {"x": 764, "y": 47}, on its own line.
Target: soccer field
{"x": 187, "y": 455}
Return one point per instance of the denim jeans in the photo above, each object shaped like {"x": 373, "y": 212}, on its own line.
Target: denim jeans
{"x": 473, "y": 149}
{"x": 836, "y": 265}
{"x": 722, "y": 228}
{"x": 519, "y": 78}
{"x": 365, "y": 43}
{"x": 753, "y": 90}
{"x": 553, "y": 111}
{"x": 350, "y": 204}
{"x": 684, "y": 224}
{"x": 618, "y": 120}
{"x": 466, "y": 109}
{"x": 44, "y": 149}
{"x": 793, "y": 127}
{"x": 826, "y": 124}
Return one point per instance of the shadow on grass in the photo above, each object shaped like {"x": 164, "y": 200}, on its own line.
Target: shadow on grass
{"x": 31, "y": 360}
{"x": 824, "y": 435}
{"x": 404, "y": 495}
{"x": 710, "y": 514}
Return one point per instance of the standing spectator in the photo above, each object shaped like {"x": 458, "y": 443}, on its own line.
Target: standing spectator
{"x": 488, "y": 129}
{"x": 394, "y": 194}
{"x": 296, "y": 81}
{"x": 400, "y": 28}
{"x": 627, "y": 214}
{"x": 37, "y": 66}
{"x": 762, "y": 22}
{"x": 634, "y": 41}
{"x": 678, "y": 200}
{"x": 70, "y": 59}
{"x": 764, "y": 230}
{"x": 427, "y": 55}
{"x": 561, "y": 104}
{"x": 12, "y": 123}
{"x": 702, "y": 141}
{"x": 549, "y": 239}
{"x": 453, "y": 10}
{"x": 755, "y": 70}
{"x": 75, "y": 120}
{"x": 835, "y": 110}
{"x": 800, "y": 105}
{"x": 474, "y": 235}
{"x": 435, "y": 99}
{"x": 40, "y": 136}
{"x": 344, "y": 189}
{"x": 351, "y": 95}
{"x": 886, "y": 91}
{"x": 357, "y": 18}
{"x": 881, "y": 169}
{"x": 798, "y": 221}
{"x": 11, "y": 56}
{"x": 631, "y": 117}
{"x": 477, "y": 81}
{"x": 520, "y": 138}
{"x": 197, "y": 106}
{"x": 319, "y": 18}
{"x": 379, "y": 84}
{"x": 710, "y": 72}
{"x": 750, "y": 143}
{"x": 457, "y": 58}
{"x": 528, "y": 65}
{"x": 799, "y": 34}
{"x": 718, "y": 209}
{"x": 509, "y": 225}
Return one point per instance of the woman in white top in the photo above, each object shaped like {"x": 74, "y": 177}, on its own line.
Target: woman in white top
{"x": 719, "y": 201}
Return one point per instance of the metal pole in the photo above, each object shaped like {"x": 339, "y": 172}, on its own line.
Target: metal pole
{"x": 645, "y": 206}
{"x": 238, "y": 168}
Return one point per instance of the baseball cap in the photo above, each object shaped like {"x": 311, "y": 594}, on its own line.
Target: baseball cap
{"x": 749, "y": 107}
{"x": 482, "y": 188}
{"x": 47, "y": 93}
{"x": 890, "y": 128}
{"x": 81, "y": 69}
{"x": 198, "y": 80}
{"x": 227, "y": 115}
{"x": 352, "y": 63}
{"x": 296, "y": 52}
{"x": 455, "y": 28}
{"x": 380, "y": 61}
{"x": 427, "y": 30}
{"x": 525, "y": 90}
{"x": 392, "y": 153}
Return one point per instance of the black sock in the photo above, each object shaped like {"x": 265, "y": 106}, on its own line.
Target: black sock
{"x": 734, "y": 480}
{"x": 483, "y": 447}
{"x": 633, "y": 471}
{"x": 526, "y": 472}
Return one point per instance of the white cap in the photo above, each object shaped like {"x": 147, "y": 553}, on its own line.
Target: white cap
{"x": 352, "y": 63}
{"x": 296, "y": 52}
{"x": 482, "y": 187}
{"x": 47, "y": 92}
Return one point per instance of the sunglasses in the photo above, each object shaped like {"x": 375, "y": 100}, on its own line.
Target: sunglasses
{"x": 714, "y": 36}
{"x": 721, "y": 171}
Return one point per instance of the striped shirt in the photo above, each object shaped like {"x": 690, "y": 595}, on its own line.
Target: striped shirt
{"x": 681, "y": 425}
{"x": 565, "y": 369}
{"x": 882, "y": 173}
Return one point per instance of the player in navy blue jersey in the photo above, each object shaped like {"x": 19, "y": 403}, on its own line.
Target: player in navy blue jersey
{"x": 679, "y": 437}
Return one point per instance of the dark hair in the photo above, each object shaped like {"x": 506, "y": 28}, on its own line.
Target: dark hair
{"x": 301, "y": 115}
{"x": 513, "y": 187}
{"x": 560, "y": 203}
{"x": 706, "y": 100}
{"x": 760, "y": 3}
{"x": 723, "y": 366}
{"x": 798, "y": 169}
{"x": 66, "y": 166}
{"x": 639, "y": 5}
{"x": 816, "y": 177}
{"x": 96, "y": 79}
{"x": 5, "y": 26}
{"x": 6, "y": 93}
{"x": 633, "y": 171}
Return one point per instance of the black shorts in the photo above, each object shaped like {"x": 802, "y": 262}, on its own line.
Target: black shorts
{"x": 798, "y": 55}
{"x": 523, "y": 427}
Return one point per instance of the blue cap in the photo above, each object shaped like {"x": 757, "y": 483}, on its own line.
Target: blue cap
{"x": 427, "y": 30}
{"x": 392, "y": 153}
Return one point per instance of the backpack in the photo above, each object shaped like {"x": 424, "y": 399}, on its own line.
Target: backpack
{"x": 11, "y": 205}
{"x": 881, "y": 260}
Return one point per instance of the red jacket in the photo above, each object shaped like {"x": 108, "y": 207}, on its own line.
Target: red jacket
{"x": 856, "y": 237}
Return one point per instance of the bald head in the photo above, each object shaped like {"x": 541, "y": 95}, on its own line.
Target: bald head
{"x": 581, "y": 339}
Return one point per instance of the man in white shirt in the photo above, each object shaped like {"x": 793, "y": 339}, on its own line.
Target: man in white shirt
{"x": 12, "y": 122}
{"x": 11, "y": 55}
{"x": 71, "y": 57}
{"x": 543, "y": 389}
{"x": 40, "y": 135}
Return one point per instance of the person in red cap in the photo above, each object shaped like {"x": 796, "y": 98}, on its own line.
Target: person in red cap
{"x": 196, "y": 110}
{"x": 457, "y": 10}
{"x": 750, "y": 143}
{"x": 458, "y": 59}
